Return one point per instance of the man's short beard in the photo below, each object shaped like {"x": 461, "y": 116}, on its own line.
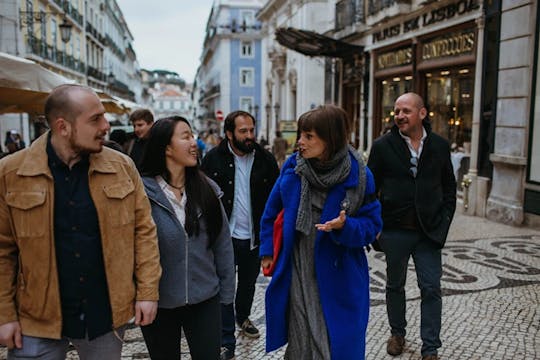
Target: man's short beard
{"x": 242, "y": 146}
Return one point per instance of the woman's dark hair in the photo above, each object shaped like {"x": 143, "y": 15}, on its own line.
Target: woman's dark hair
{"x": 200, "y": 195}
{"x": 330, "y": 123}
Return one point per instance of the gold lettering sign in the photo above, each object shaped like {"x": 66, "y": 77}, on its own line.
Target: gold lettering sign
{"x": 394, "y": 58}
{"x": 445, "y": 46}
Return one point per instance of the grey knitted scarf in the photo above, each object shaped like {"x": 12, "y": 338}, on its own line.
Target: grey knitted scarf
{"x": 323, "y": 176}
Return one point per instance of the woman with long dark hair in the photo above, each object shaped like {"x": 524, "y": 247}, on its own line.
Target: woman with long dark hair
{"x": 194, "y": 242}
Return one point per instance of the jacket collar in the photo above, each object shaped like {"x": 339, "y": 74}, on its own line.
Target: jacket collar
{"x": 154, "y": 192}
{"x": 399, "y": 145}
{"x": 36, "y": 161}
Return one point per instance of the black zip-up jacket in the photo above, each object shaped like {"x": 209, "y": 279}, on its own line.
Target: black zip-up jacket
{"x": 431, "y": 194}
{"x": 218, "y": 164}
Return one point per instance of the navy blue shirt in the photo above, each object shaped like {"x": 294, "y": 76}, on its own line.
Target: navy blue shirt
{"x": 83, "y": 285}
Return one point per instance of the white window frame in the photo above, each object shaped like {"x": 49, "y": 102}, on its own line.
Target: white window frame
{"x": 251, "y": 82}
{"x": 245, "y": 102}
{"x": 247, "y": 45}
{"x": 249, "y": 16}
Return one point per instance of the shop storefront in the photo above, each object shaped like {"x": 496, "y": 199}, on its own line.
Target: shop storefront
{"x": 440, "y": 66}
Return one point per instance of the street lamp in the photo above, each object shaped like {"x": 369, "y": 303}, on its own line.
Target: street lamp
{"x": 29, "y": 17}
{"x": 256, "y": 108}
{"x": 276, "y": 112}
{"x": 65, "y": 30}
{"x": 110, "y": 78}
{"x": 268, "y": 108}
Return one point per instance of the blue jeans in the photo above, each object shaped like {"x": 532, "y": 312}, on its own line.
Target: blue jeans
{"x": 248, "y": 265}
{"x": 107, "y": 346}
{"x": 399, "y": 246}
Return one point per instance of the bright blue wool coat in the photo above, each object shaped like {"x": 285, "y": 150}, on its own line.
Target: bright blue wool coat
{"x": 340, "y": 263}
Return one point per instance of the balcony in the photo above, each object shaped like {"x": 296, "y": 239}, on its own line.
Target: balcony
{"x": 214, "y": 90}
{"x": 374, "y": 6}
{"x": 40, "y": 48}
{"x": 76, "y": 15}
{"x": 349, "y": 12}
{"x": 70, "y": 10}
{"x": 114, "y": 48}
{"x": 95, "y": 73}
{"x": 90, "y": 29}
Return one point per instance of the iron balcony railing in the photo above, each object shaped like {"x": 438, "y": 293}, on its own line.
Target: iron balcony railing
{"x": 41, "y": 48}
{"x": 349, "y": 12}
{"x": 374, "y": 6}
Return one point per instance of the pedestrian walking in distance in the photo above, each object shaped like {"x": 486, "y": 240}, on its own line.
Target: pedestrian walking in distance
{"x": 194, "y": 243}
{"x": 280, "y": 148}
{"x": 79, "y": 258}
{"x": 318, "y": 299}
{"x": 415, "y": 182}
{"x": 246, "y": 173}
{"x": 142, "y": 121}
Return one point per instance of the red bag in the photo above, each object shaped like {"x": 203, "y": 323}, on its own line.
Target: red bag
{"x": 277, "y": 239}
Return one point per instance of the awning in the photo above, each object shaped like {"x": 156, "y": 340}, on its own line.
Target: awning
{"x": 25, "y": 85}
{"x": 314, "y": 44}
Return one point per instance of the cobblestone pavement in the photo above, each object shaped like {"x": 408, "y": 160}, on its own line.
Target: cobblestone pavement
{"x": 491, "y": 303}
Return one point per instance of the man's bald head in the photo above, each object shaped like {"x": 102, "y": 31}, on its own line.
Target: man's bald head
{"x": 417, "y": 99}
{"x": 62, "y": 102}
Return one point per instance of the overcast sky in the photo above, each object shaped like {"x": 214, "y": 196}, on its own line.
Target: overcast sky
{"x": 168, "y": 33}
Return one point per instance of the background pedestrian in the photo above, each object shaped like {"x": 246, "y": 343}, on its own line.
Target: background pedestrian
{"x": 246, "y": 173}
{"x": 142, "y": 120}
{"x": 280, "y": 148}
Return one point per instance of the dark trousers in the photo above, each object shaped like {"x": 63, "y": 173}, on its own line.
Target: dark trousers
{"x": 399, "y": 246}
{"x": 202, "y": 329}
{"x": 248, "y": 265}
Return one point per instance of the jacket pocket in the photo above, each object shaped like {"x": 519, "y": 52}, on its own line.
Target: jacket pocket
{"x": 28, "y": 212}
{"x": 121, "y": 202}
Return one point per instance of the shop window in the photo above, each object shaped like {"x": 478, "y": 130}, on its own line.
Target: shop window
{"x": 450, "y": 104}
{"x": 392, "y": 88}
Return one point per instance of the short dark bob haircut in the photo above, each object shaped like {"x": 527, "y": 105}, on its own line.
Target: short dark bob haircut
{"x": 200, "y": 194}
{"x": 330, "y": 123}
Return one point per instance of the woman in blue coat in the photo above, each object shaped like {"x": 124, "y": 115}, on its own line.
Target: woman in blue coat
{"x": 318, "y": 298}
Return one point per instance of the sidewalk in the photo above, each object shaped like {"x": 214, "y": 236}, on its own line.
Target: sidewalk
{"x": 491, "y": 303}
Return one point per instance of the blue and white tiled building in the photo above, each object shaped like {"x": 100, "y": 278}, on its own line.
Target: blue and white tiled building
{"x": 229, "y": 76}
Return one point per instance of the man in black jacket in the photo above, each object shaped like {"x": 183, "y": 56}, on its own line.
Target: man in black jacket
{"x": 246, "y": 174}
{"x": 142, "y": 121}
{"x": 417, "y": 189}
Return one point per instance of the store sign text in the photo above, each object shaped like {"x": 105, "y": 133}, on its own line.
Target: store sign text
{"x": 447, "y": 12}
{"x": 455, "y": 45}
{"x": 394, "y": 58}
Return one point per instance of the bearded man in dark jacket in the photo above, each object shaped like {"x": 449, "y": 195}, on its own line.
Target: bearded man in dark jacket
{"x": 246, "y": 174}
{"x": 417, "y": 189}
